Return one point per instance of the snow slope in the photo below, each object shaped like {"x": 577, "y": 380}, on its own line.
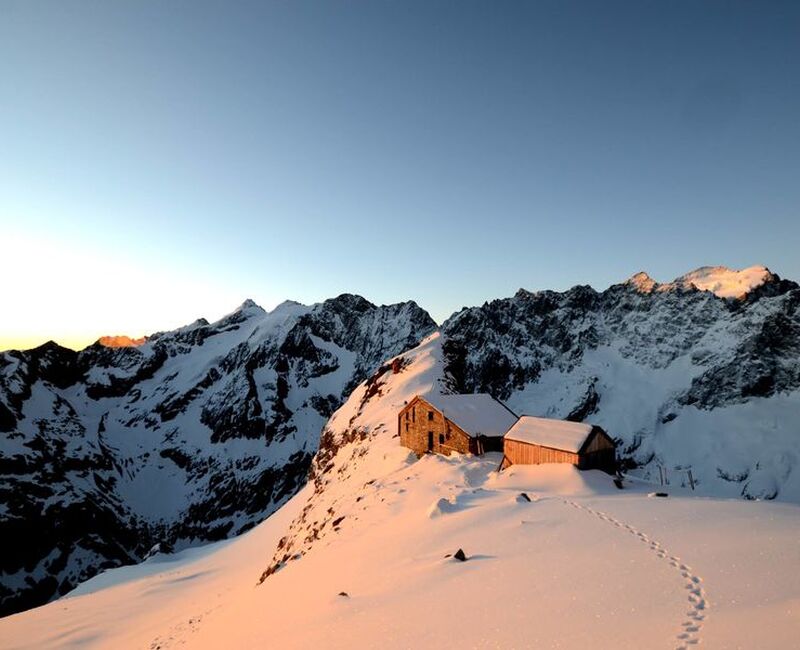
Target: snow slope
{"x": 191, "y": 436}
{"x": 361, "y": 560}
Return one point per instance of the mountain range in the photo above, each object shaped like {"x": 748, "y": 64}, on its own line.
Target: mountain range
{"x": 131, "y": 447}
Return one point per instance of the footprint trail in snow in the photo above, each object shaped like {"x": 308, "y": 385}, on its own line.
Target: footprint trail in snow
{"x": 689, "y": 634}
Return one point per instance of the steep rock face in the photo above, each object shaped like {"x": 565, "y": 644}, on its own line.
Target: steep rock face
{"x": 191, "y": 435}
{"x": 683, "y": 377}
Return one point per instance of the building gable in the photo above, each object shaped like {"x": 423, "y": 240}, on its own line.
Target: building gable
{"x": 598, "y": 440}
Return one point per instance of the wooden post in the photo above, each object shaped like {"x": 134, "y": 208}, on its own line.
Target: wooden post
{"x": 691, "y": 479}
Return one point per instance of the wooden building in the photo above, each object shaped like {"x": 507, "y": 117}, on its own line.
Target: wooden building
{"x": 467, "y": 424}
{"x": 532, "y": 441}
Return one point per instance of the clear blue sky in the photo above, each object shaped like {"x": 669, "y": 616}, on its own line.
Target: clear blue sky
{"x": 165, "y": 160}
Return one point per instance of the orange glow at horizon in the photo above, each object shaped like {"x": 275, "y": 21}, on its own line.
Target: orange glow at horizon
{"x": 75, "y": 294}
{"x": 77, "y": 343}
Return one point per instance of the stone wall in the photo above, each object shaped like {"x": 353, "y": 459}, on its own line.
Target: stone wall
{"x": 423, "y": 428}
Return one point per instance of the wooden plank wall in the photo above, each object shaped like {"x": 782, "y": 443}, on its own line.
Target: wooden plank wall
{"x": 598, "y": 443}
{"x": 522, "y": 453}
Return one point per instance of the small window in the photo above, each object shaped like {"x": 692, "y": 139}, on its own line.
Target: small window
{"x": 406, "y": 416}
{"x": 406, "y": 427}
{"x": 430, "y": 415}
{"x": 441, "y": 438}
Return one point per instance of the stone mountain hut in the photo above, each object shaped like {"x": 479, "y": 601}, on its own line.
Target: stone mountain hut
{"x": 532, "y": 441}
{"x": 467, "y": 424}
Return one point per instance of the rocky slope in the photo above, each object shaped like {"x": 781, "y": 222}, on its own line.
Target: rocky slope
{"x": 191, "y": 435}
{"x": 687, "y": 378}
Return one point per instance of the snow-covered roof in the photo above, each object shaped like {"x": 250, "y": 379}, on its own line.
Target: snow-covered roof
{"x": 556, "y": 434}
{"x": 477, "y": 414}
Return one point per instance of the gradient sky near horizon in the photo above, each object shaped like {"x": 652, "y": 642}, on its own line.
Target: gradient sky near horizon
{"x": 163, "y": 161}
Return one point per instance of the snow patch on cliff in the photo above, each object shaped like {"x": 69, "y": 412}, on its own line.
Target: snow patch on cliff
{"x": 725, "y": 282}
{"x": 719, "y": 280}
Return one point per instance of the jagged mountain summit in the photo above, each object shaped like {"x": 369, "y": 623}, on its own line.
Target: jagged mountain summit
{"x": 719, "y": 280}
{"x": 196, "y": 434}
{"x": 192, "y": 435}
{"x": 686, "y": 377}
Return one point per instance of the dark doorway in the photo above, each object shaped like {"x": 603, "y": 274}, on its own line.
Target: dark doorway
{"x": 430, "y": 440}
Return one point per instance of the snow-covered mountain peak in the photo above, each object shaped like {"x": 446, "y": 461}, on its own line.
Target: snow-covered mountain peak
{"x": 286, "y": 305}
{"x": 249, "y": 303}
{"x": 246, "y": 311}
{"x": 719, "y": 280}
{"x": 642, "y": 282}
{"x": 725, "y": 282}
{"x": 250, "y": 308}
